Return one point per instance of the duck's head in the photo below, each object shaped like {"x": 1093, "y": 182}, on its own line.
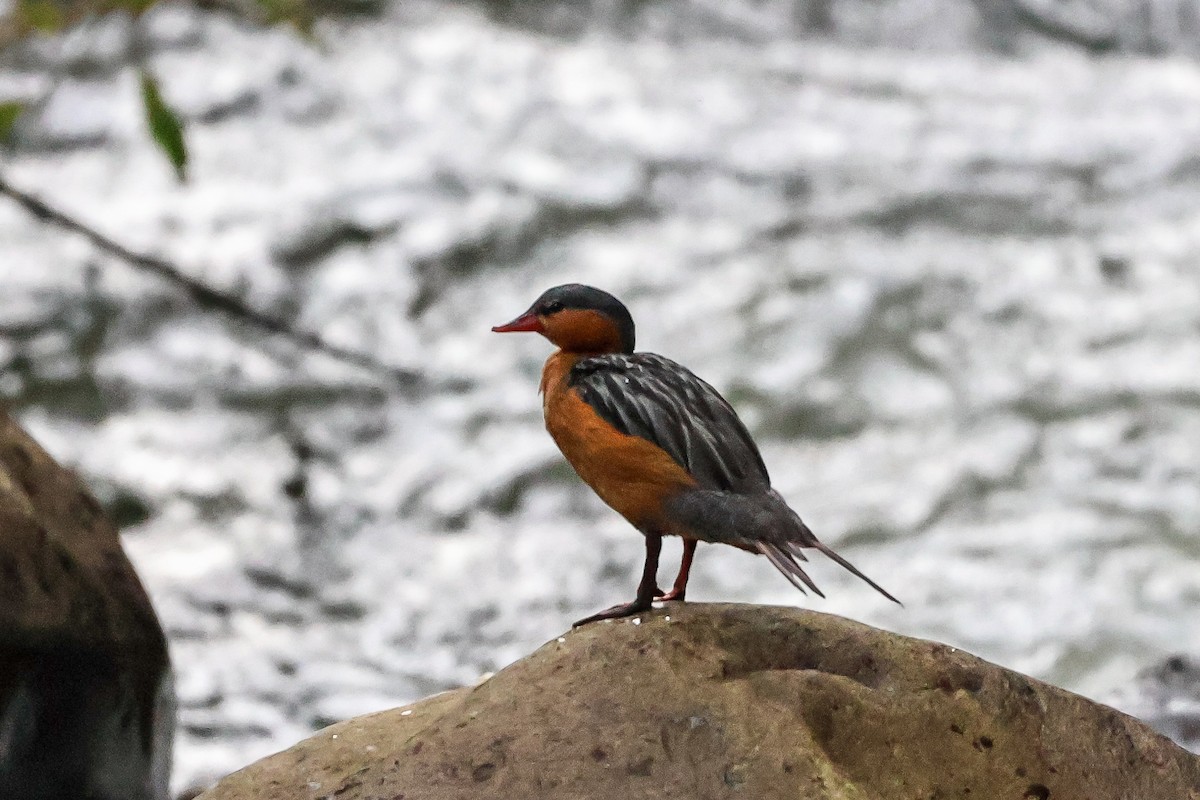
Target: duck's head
{"x": 579, "y": 319}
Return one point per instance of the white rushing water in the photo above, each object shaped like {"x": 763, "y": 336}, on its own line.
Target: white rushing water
{"x": 953, "y": 294}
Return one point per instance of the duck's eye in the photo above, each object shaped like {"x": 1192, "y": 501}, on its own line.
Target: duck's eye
{"x": 553, "y": 307}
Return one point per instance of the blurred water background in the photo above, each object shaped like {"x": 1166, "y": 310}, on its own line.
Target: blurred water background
{"x": 941, "y": 255}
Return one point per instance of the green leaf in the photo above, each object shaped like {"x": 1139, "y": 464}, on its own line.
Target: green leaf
{"x": 8, "y": 119}
{"x": 41, "y": 15}
{"x": 164, "y": 126}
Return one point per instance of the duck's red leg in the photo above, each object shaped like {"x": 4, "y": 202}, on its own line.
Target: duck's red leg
{"x": 646, "y": 589}
{"x": 680, "y": 588}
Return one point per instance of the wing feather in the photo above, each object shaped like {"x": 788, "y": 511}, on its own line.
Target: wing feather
{"x": 655, "y": 398}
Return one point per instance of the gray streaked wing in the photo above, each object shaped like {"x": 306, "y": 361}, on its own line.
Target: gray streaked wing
{"x": 654, "y": 398}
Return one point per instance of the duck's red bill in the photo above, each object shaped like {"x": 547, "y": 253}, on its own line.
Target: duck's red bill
{"x": 526, "y": 322}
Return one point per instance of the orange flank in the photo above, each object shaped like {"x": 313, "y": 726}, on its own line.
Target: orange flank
{"x": 632, "y": 475}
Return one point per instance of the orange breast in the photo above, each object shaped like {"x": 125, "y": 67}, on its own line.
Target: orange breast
{"x": 631, "y": 474}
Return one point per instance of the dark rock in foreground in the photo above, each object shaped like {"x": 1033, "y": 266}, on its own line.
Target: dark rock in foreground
{"x": 86, "y": 706}
{"x": 708, "y": 701}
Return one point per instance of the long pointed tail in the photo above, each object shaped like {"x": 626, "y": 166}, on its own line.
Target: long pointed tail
{"x": 827, "y": 550}
{"x": 785, "y": 563}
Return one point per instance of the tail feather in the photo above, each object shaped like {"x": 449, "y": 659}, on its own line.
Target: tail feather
{"x": 827, "y": 550}
{"x": 775, "y": 530}
{"x": 784, "y": 563}
{"x": 797, "y": 550}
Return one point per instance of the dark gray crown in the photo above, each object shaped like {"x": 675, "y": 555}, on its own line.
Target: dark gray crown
{"x": 579, "y": 296}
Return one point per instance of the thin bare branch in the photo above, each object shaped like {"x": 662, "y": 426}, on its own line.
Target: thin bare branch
{"x": 204, "y": 295}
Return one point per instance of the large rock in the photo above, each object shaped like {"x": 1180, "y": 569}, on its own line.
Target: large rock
{"x": 712, "y": 701}
{"x": 86, "y": 706}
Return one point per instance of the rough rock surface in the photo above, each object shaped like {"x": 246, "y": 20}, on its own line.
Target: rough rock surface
{"x": 86, "y": 706}
{"x": 954, "y": 296}
{"x": 706, "y": 701}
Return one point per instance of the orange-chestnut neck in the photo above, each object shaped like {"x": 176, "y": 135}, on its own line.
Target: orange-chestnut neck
{"x": 583, "y": 331}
